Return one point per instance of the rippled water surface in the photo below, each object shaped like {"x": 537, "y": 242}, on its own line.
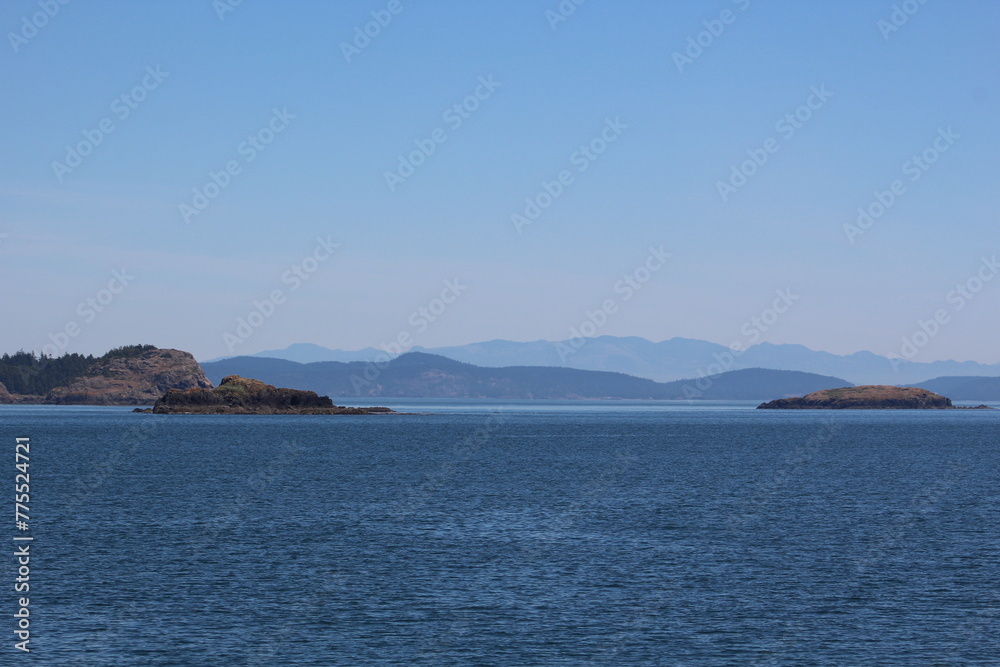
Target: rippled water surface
{"x": 514, "y": 533}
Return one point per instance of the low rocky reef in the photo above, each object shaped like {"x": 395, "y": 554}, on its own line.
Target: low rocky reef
{"x": 866, "y": 397}
{"x": 236, "y": 395}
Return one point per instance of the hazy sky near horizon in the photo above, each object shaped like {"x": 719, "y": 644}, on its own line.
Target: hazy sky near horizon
{"x": 173, "y": 168}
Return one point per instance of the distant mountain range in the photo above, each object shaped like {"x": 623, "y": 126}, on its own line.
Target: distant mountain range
{"x": 965, "y": 388}
{"x": 421, "y": 375}
{"x": 668, "y": 360}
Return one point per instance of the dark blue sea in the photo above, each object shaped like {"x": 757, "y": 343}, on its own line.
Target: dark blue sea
{"x": 511, "y": 533}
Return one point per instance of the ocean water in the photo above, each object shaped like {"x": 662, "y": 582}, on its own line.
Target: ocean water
{"x": 512, "y": 533}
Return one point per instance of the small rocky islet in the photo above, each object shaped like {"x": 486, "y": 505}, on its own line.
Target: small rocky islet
{"x": 237, "y": 395}
{"x": 866, "y": 397}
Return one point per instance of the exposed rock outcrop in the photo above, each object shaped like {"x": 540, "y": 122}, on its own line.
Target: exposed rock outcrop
{"x": 5, "y": 396}
{"x": 866, "y": 397}
{"x": 139, "y": 380}
{"x": 236, "y": 395}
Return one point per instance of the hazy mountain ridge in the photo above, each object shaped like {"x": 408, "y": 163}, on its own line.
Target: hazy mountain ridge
{"x": 965, "y": 388}
{"x": 422, "y": 375}
{"x": 669, "y": 360}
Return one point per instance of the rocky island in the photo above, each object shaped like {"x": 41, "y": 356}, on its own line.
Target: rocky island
{"x": 128, "y": 375}
{"x": 132, "y": 381}
{"x": 236, "y": 395}
{"x": 865, "y": 397}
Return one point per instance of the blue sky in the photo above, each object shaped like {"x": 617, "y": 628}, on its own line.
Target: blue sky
{"x": 337, "y": 125}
